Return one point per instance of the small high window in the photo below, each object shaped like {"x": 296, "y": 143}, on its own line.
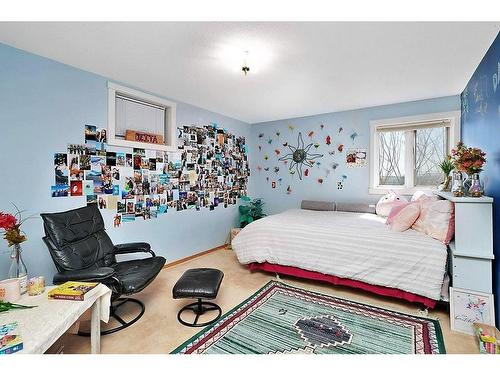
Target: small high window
{"x": 137, "y": 119}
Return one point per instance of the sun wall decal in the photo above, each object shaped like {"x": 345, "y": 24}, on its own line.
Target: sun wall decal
{"x": 300, "y": 155}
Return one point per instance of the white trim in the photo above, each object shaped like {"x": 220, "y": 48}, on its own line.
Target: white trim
{"x": 452, "y": 117}
{"x": 170, "y": 109}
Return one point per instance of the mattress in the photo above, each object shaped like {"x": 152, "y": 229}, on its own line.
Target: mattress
{"x": 357, "y": 246}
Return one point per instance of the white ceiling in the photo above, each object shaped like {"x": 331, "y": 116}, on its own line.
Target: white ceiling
{"x": 302, "y": 68}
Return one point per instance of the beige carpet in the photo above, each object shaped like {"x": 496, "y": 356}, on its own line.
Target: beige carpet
{"x": 158, "y": 331}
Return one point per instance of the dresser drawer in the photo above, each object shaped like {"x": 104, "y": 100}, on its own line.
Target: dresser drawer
{"x": 471, "y": 273}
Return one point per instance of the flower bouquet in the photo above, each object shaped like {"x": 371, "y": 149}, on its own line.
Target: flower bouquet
{"x": 469, "y": 160}
{"x": 11, "y": 225}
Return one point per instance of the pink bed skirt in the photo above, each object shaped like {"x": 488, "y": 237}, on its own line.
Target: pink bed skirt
{"x": 381, "y": 290}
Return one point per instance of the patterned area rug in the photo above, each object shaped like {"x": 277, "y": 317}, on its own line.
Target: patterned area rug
{"x": 280, "y": 318}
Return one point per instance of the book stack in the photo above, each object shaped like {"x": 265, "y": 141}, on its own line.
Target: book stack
{"x": 72, "y": 290}
{"x": 10, "y": 339}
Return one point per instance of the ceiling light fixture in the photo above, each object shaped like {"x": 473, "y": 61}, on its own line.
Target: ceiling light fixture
{"x": 242, "y": 55}
{"x": 245, "y": 68}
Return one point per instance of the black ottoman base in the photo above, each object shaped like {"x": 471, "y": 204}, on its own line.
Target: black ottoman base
{"x": 199, "y": 308}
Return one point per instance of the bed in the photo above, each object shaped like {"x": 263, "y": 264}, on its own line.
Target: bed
{"x": 346, "y": 248}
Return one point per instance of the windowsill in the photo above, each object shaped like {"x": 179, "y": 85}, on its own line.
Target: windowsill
{"x": 146, "y": 146}
{"x": 381, "y": 190}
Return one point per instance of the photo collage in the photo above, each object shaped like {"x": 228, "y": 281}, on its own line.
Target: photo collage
{"x": 210, "y": 169}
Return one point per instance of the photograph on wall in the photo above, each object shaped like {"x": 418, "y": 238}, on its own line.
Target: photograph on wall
{"x": 61, "y": 169}
{"x": 85, "y": 162}
{"x": 356, "y": 158}
{"x": 120, "y": 159}
{"x": 90, "y": 133}
{"x": 111, "y": 159}
{"x": 91, "y": 199}
{"x": 59, "y": 191}
{"x": 76, "y": 175}
{"x": 101, "y": 135}
{"x": 468, "y": 307}
{"x": 87, "y": 187}
{"x": 76, "y": 188}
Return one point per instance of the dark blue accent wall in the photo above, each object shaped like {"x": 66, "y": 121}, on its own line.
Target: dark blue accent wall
{"x": 481, "y": 128}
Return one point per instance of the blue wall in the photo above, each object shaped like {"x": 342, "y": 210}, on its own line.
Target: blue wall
{"x": 481, "y": 128}
{"x": 356, "y": 184}
{"x": 44, "y": 105}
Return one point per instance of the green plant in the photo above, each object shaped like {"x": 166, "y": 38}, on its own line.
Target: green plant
{"x": 446, "y": 166}
{"x": 250, "y": 210}
{"x": 6, "y": 306}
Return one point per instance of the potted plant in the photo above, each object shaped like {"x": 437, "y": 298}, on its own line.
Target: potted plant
{"x": 250, "y": 210}
{"x": 447, "y": 167}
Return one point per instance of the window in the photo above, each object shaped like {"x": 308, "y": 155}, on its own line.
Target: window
{"x": 406, "y": 152}
{"x": 130, "y": 109}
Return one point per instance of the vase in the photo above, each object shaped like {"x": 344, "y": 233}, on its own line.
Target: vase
{"x": 475, "y": 189}
{"x": 458, "y": 185}
{"x": 18, "y": 269}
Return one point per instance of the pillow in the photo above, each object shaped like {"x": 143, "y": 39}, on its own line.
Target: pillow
{"x": 406, "y": 217}
{"x": 317, "y": 205}
{"x": 356, "y": 207}
{"x": 422, "y": 194}
{"x": 396, "y": 209}
{"x": 437, "y": 219}
{"x": 385, "y": 204}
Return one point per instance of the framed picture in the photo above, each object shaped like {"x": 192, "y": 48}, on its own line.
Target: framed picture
{"x": 467, "y": 307}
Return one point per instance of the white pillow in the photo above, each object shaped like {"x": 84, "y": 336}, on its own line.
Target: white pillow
{"x": 387, "y": 202}
{"x": 419, "y": 194}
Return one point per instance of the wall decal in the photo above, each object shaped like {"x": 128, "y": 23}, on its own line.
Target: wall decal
{"x": 328, "y": 140}
{"x": 289, "y": 190}
{"x": 300, "y": 155}
{"x": 310, "y": 134}
{"x": 278, "y": 135}
{"x": 356, "y": 158}
{"x": 210, "y": 169}
{"x": 340, "y": 185}
{"x": 277, "y": 152}
{"x": 273, "y": 184}
{"x": 322, "y": 126}
{"x": 340, "y": 129}
{"x": 291, "y": 127}
{"x": 261, "y": 135}
{"x": 340, "y": 148}
{"x": 320, "y": 180}
{"x": 353, "y": 136}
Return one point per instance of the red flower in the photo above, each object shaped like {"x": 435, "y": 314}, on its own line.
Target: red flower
{"x": 7, "y": 221}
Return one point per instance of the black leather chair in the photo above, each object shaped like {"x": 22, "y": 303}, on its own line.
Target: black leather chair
{"x": 82, "y": 251}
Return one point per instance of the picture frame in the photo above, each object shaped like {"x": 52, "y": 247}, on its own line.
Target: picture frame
{"x": 468, "y": 307}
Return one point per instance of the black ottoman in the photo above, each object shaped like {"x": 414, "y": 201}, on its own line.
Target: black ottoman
{"x": 199, "y": 283}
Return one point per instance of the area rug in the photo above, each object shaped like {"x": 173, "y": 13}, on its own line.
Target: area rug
{"x": 283, "y": 319}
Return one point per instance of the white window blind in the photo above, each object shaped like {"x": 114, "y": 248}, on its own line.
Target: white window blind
{"x": 138, "y": 115}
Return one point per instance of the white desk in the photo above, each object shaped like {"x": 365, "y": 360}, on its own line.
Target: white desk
{"x": 41, "y": 326}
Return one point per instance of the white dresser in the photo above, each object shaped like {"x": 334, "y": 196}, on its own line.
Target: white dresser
{"x": 471, "y": 252}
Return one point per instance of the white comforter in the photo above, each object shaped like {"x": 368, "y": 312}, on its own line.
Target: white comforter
{"x": 357, "y": 246}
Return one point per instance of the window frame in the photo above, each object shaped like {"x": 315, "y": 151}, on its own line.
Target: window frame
{"x": 170, "y": 118}
{"x": 452, "y": 117}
